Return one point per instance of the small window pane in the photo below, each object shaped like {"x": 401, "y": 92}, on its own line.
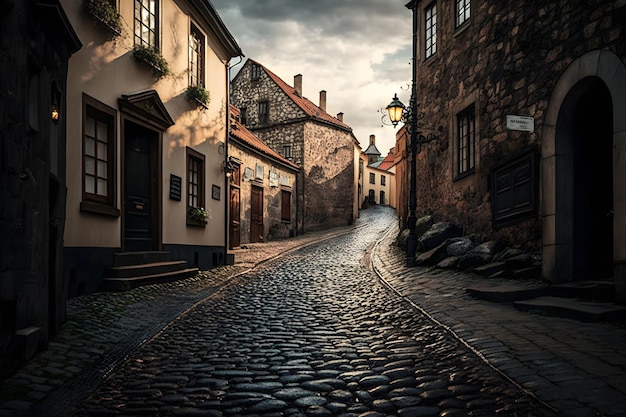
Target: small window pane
{"x": 102, "y": 151}
{"x": 90, "y": 147}
{"x": 90, "y": 165}
{"x": 90, "y": 185}
{"x": 102, "y": 187}
{"x": 90, "y": 126}
{"x": 102, "y": 170}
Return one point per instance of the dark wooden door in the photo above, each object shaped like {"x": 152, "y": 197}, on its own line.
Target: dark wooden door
{"x": 234, "y": 236}
{"x": 139, "y": 176}
{"x": 256, "y": 215}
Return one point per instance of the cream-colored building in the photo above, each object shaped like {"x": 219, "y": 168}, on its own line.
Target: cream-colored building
{"x": 143, "y": 157}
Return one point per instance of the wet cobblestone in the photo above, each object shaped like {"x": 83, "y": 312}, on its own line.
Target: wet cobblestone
{"x": 312, "y": 334}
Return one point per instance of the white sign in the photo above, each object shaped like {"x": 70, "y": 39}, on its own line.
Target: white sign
{"x": 523, "y": 123}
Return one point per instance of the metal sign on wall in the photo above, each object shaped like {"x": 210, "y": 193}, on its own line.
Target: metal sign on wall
{"x": 522, "y": 123}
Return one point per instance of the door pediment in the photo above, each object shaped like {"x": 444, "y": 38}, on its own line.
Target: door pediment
{"x": 147, "y": 107}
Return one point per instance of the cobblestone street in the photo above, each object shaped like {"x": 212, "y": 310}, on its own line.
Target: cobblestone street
{"x": 313, "y": 333}
{"x": 324, "y": 324}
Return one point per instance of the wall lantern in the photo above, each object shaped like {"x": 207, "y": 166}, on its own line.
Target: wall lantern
{"x": 395, "y": 110}
{"x": 55, "y": 98}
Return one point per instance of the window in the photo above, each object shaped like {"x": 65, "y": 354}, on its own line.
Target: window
{"x": 462, "y": 9}
{"x": 383, "y": 180}
{"x": 255, "y": 72}
{"x": 196, "y": 57}
{"x": 264, "y": 112}
{"x": 98, "y": 152}
{"x": 466, "y": 142}
{"x": 431, "y": 30}
{"x": 243, "y": 115}
{"x": 285, "y": 206}
{"x": 195, "y": 179}
{"x": 146, "y": 23}
{"x": 372, "y": 178}
{"x": 287, "y": 151}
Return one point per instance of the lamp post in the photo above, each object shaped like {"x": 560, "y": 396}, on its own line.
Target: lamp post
{"x": 398, "y": 112}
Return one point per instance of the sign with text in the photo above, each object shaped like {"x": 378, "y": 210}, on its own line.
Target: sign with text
{"x": 175, "y": 187}
{"x": 522, "y": 123}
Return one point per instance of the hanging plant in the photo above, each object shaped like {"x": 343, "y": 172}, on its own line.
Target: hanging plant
{"x": 103, "y": 12}
{"x": 153, "y": 58}
{"x": 199, "y": 94}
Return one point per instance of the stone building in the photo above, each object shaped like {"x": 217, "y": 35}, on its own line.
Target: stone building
{"x": 532, "y": 97}
{"x": 147, "y": 134}
{"x": 322, "y": 145}
{"x": 262, "y": 188}
{"x": 36, "y": 41}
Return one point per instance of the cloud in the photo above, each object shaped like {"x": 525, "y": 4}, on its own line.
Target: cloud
{"x": 356, "y": 50}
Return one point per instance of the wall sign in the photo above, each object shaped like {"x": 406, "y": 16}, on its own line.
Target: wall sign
{"x": 522, "y": 123}
{"x": 175, "y": 187}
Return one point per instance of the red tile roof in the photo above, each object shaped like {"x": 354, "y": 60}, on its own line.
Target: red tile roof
{"x": 240, "y": 132}
{"x": 387, "y": 163}
{"x": 305, "y": 104}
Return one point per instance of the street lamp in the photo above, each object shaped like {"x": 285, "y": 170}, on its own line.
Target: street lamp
{"x": 399, "y": 112}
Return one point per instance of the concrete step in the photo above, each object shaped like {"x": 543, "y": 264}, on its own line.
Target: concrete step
{"x": 588, "y": 290}
{"x": 574, "y": 308}
{"x": 127, "y": 283}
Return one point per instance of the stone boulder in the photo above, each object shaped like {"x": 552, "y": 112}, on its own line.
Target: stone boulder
{"x": 433, "y": 256}
{"x": 460, "y": 247}
{"x": 481, "y": 254}
{"x": 450, "y": 262}
{"x": 422, "y": 225}
{"x": 438, "y": 234}
{"x": 402, "y": 238}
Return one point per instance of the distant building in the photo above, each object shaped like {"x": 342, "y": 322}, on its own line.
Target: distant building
{"x": 379, "y": 178}
{"x": 531, "y": 96}
{"x": 302, "y": 132}
{"x": 37, "y": 40}
{"x": 262, "y": 187}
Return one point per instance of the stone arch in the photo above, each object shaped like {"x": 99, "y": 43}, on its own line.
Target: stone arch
{"x": 586, "y": 77}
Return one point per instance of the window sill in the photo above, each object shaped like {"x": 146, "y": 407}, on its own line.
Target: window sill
{"x": 196, "y": 223}
{"x": 464, "y": 174}
{"x": 99, "y": 208}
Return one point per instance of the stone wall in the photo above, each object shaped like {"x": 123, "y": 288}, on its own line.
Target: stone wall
{"x": 504, "y": 61}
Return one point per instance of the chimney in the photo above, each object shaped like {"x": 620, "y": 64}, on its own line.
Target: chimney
{"x": 297, "y": 84}
{"x": 323, "y": 100}
{"x": 372, "y": 139}
{"x": 340, "y": 117}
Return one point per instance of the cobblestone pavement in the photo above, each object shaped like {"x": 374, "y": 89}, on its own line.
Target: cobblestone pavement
{"x": 339, "y": 343}
{"x": 314, "y": 333}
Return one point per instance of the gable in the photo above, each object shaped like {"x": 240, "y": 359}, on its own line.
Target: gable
{"x": 148, "y": 107}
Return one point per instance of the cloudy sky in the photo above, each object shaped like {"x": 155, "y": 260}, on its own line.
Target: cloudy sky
{"x": 359, "y": 51}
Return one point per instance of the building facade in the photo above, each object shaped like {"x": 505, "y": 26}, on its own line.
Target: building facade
{"x": 262, "y": 187}
{"x": 37, "y": 40}
{"x": 531, "y": 98}
{"x": 147, "y": 129}
{"x": 302, "y": 132}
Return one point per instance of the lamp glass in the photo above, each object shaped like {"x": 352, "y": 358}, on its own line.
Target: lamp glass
{"x": 395, "y": 110}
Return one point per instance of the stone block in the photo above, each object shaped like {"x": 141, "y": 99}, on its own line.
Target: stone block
{"x": 28, "y": 340}
{"x": 433, "y": 256}
{"x": 438, "y": 234}
{"x": 490, "y": 269}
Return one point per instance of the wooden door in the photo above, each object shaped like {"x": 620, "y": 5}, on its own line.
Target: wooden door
{"x": 234, "y": 236}
{"x": 139, "y": 199}
{"x": 256, "y": 215}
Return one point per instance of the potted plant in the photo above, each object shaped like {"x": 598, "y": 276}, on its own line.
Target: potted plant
{"x": 197, "y": 215}
{"x": 103, "y": 12}
{"x": 152, "y": 58}
{"x": 199, "y": 94}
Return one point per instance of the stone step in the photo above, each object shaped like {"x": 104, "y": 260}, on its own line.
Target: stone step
{"x": 144, "y": 269}
{"x": 136, "y": 258}
{"x": 507, "y": 293}
{"x": 574, "y": 308}
{"x": 127, "y": 283}
{"x": 589, "y": 290}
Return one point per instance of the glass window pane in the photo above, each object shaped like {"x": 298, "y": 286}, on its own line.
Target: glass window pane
{"x": 102, "y": 187}
{"x": 90, "y": 128}
{"x": 102, "y": 151}
{"x": 90, "y": 166}
{"x": 90, "y": 185}
{"x": 90, "y": 147}
{"x": 102, "y": 170}
{"x": 102, "y": 131}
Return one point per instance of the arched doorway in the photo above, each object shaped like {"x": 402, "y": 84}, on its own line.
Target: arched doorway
{"x": 584, "y": 192}
{"x": 583, "y": 173}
